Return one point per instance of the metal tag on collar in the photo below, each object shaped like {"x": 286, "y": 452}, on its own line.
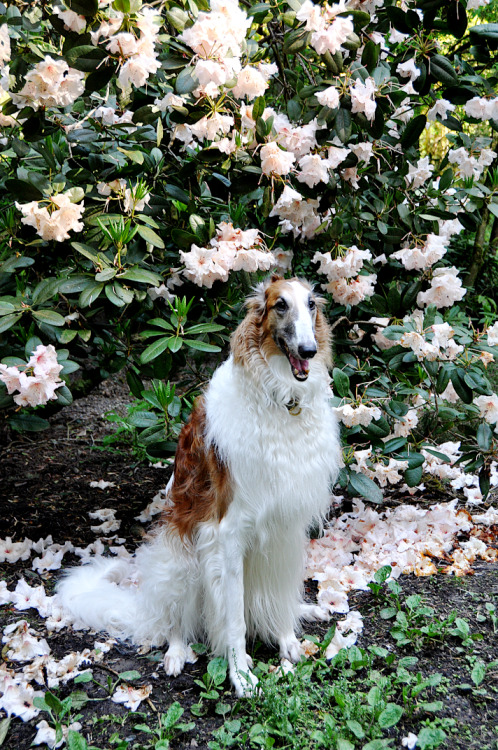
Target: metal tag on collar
{"x": 293, "y": 407}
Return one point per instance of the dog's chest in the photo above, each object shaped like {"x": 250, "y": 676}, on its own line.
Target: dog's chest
{"x": 273, "y": 455}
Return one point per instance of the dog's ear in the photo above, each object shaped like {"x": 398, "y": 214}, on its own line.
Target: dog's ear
{"x": 256, "y": 303}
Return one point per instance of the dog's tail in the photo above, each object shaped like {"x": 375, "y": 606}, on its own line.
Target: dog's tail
{"x": 102, "y": 596}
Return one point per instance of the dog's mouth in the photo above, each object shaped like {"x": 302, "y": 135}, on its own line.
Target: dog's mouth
{"x": 300, "y": 367}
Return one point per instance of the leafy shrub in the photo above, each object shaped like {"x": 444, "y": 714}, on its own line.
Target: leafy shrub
{"x": 200, "y": 147}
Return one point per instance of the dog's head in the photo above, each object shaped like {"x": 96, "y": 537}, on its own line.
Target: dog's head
{"x": 288, "y": 318}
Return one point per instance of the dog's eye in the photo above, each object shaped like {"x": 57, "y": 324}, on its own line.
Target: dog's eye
{"x": 312, "y": 304}
{"x": 281, "y": 305}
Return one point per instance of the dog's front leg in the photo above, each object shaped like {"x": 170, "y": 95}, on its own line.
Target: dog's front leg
{"x": 222, "y": 564}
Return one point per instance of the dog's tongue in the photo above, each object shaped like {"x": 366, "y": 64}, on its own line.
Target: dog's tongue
{"x": 301, "y": 365}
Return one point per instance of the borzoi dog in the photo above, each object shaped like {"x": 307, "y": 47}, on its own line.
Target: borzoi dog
{"x": 253, "y": 470}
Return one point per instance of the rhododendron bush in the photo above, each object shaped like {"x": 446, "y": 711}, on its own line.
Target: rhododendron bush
{"x": 158, "y": 160}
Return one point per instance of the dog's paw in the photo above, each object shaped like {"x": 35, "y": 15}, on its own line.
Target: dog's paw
{"x": 291, "y": 649}
{"x": 174, "y": 660}
{"x": 245, "y": 683}
{"x": 314, "y": 613}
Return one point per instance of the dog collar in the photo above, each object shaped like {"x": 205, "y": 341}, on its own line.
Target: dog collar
{"x": 293, "y": 407}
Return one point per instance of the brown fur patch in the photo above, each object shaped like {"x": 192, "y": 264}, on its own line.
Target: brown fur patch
{"x": 202, "y": 487}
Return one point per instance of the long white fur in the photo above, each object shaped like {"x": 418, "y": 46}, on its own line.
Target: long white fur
{"x": 243, "y": 575}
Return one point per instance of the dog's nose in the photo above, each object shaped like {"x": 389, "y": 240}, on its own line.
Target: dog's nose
{"x": 307, "y": 351}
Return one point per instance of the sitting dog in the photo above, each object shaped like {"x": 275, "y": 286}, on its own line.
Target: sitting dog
{"x": 253, "y": 470}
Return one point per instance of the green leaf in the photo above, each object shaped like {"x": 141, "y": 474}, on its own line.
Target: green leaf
{"x": 390, "y": 715}
{"x": 484, "y": 436}
{"x": 175, "y": 712}
{"x": 86, "y": 8}
{"x": 204, "y": 328}
{"x": 90, "y": 293}
{"x": 10, "y": 265}
{"x": 430, "y": 737}
{"x": 343, "y": 744}
{"x": 161, "y": 323}
{"x": 23, "y": 190}
{"x": 49, "y": 317}
{"x": 136, "y": 157}
{"x": 341, "y": 382}
{"x": 4, "y": 730}
{"x": 177, "y": 193}
{"x": 365, "y": 487}
{"x": 64, "y": 396}
{"x": 90, "y": 253}
{"x": 86, "y": 58}
{"x": 356, "y": 728}
{"x": 75, "y": 741}
{"x": 442, "y": 70}
{"x": 413, "y": 476}
{"x": 8, "y": 321}
{"x": 155, "y": 349}
{"x": 183, "y": 238}
{"x": 186, "y": 82}
{"x": 113, "y": 297}
{"x": 130, "y": 675}
{"x": 343, "y": 125}
{"x": 487, "y": 32}
{"x": 201, "y": 346}
{"x": 457, "y": 19}
{"x": 295, "y": 41}
{"x": 478, "y": 673}
{"x": 142, "y": 274}
{"x": 413, "y": 130}
{"x": 142, "y": 419}
{"x": 460, "y": 386}
{"x": 394, "y": 444}
{"x": 28, "y": 423}
{"x": 217, "y": 670}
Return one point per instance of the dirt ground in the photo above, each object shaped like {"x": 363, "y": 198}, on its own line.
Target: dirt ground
{"x": 45, "y": 489}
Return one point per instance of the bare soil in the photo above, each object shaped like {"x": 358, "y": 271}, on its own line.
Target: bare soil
{"x": 45, "y": 489}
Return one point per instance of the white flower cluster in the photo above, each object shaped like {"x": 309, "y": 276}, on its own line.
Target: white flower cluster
{"x": 51, "y": 83}
{"x": 446, "y": 288}
{"x": 354, "y": 415}
{"x": 297, "y": 214}
{"x": 441, "y": 346}
{"x": 469, "y": 165}
{"x": 72, "y": 21}
{"x": 363, "y": 97}
{"x": 329, "y": 29}
{"x": 345, "y": 284}
{"x": 384, "y": 473}
{"x": 37, "y": 382}
{"x": 419, "y": 258}
{"x": 218, "y": 39}
{"x": 488, "y": 408}
{"x": 55, "y": 220}
{"x": 481, "y": 108}
{"x": 136, "y": 53}
{"x": 420, "y": 173}
{"x": 231, "y": 249}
